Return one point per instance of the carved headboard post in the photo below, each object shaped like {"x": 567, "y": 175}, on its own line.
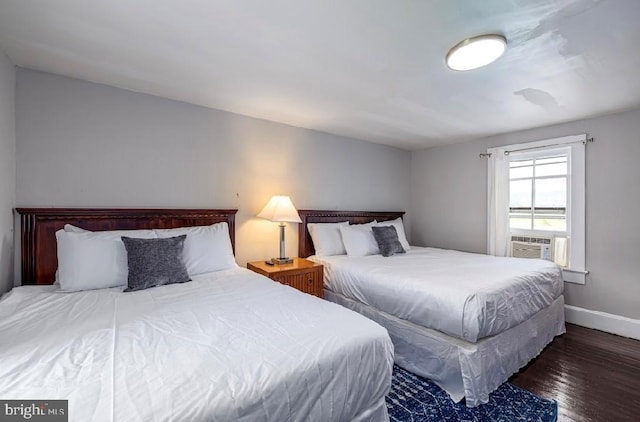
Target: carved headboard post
{"x": 28, "y": 241}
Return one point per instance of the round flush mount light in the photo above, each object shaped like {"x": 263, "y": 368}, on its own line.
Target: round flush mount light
{"x": 476, "y": 52}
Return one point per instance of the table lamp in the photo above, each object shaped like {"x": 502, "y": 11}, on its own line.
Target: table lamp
{"x": 280, "y": 209}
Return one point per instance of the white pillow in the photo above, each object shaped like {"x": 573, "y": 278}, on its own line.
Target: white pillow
{"x": 206, "y": 248}
{"x": 359, "y": 240}
{"x": 74, "y": 229}
{"x": 326, "y": 238}
{"x": 369, "y": 224}
{"x": 129, "y": 233}
{"x": 93, "y": 260}
{"x": 402, "y": 237}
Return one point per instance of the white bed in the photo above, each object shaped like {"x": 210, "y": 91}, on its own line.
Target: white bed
{"x": 465, "y": 295}
{"x": 158, "y": 323}
{"x": 466, "y": 321}
{"x": 230, "y": 345}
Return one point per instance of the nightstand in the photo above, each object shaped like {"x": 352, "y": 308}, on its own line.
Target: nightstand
{"x": 301, "y": 274}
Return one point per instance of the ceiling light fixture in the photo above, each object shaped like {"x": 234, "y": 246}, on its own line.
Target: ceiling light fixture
{"x": 476, "y": 52}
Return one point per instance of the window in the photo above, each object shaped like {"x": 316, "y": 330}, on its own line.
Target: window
{"x": 538, "y": 193}
{"x": 536, "y": 197}
{"x": 539, "y": 187}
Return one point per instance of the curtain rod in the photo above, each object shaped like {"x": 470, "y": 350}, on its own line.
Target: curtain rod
{"x": 488, "y": 154}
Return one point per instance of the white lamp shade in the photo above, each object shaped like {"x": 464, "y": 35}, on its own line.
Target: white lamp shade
{"x": 280, "y": 209}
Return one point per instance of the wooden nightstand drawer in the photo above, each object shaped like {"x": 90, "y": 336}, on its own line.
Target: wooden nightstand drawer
{"x": 310, "y": 282}
{"x": 304, "y": 275}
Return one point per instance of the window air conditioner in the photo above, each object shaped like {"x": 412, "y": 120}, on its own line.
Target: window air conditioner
{"x": 531, "y": 247}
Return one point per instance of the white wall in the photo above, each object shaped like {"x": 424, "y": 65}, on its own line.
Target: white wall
{"x": 449, "y": 205}
{"x": 81, "y": 144}
{"x": 7, "y": 169}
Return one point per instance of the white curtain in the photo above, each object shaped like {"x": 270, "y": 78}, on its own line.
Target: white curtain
{"x": 498, "y": 203}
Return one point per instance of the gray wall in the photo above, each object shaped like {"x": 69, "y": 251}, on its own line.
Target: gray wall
{"x": 81, "y": 144}
{"x": 7, "y": 169}
{"x": 449, "y": 204}
{"x": 88, "y": 145}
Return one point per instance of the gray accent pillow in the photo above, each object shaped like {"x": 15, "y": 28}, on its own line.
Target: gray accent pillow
{"x": 155, "y": 262}
{"x": 387, "y": 239}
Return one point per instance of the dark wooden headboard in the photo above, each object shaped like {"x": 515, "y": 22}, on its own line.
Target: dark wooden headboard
{"x": 39, "y": 226}
{"x": 305, "y": 245}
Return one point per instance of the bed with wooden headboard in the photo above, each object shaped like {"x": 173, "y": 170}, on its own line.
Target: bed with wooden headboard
{"x": 39, "y": 226}
{"x": 150, "y": 354}
{"x": 305, "y": 244}
{"x": 395, "y": 290}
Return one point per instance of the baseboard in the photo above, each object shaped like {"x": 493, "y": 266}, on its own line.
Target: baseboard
{"x": 610, "y": 323}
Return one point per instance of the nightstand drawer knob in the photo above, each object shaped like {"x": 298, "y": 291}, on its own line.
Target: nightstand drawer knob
{"x": 310, "y": 281}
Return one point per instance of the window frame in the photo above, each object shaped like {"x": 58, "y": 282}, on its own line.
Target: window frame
{"x": 576, "y": 224}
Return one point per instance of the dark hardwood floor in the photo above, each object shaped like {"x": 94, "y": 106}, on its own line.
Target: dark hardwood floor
{"x": 594, "y": 376}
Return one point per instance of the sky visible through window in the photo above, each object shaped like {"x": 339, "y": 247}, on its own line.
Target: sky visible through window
{"x": 538, "y": 193}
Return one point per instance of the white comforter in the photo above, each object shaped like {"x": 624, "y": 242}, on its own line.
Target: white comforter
{"x": 228, "y": 346}
{"x": 465, "y": 295}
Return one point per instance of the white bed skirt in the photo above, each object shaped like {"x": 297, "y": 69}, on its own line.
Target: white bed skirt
{"x": 464, "y": 369}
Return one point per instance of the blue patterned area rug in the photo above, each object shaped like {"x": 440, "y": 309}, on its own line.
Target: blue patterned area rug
{"x": 416, "y": 399}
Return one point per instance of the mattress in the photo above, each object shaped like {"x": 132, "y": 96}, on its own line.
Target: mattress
{"x": 230, "y": 345}
{"x": 465, "y": 295}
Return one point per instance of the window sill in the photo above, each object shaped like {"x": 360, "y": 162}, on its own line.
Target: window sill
{"x": 574, "y": 276}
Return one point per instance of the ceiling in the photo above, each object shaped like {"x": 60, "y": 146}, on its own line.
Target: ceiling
{"x": 366, "y": 69}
